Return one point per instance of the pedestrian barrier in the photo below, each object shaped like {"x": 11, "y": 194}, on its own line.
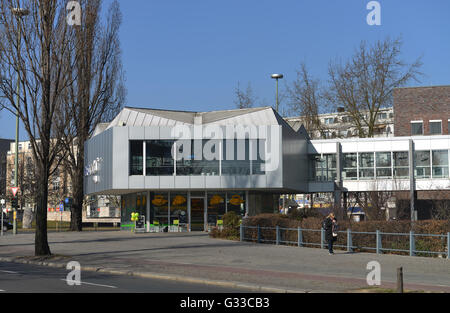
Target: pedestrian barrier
{"x": 411, "y": 244}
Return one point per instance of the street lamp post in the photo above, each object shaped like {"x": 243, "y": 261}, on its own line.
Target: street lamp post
{"x": 277, "y": 77}
{"x": 19, "y": 13}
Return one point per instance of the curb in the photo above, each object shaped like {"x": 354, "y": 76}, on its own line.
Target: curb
{"x": 186, "y": 279}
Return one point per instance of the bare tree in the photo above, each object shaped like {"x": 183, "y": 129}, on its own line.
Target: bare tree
{"x": 97, "y": 93}
{"x": 41, "y": 64}
{"x": 365, "y": 83}
{"x": 244, "y": 98}
{"x": 306, "y": 100}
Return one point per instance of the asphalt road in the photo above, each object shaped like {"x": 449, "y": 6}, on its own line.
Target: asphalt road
{"x": 24, "y": 278}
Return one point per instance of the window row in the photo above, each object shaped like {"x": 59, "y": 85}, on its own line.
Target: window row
{"x": 417, "y": 128}
{"x": 197, "y": 157}
{"x": 372, "y": 165}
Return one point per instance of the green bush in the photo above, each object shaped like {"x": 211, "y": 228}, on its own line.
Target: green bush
{"x": 230, "y": 230}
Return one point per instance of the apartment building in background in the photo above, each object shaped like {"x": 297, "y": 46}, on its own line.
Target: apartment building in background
{"x": 4, "y": 148}
{"x": 339, "y": 125}
{"x": 422, "y": 111}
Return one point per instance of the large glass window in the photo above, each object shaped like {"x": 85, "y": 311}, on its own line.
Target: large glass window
{"x": 236, "y": 202}
{"x": 366, "y": 165}
{"x": 200, "y": 157}
{"x": 401, "y": 164}
{"x": 324, "y": 168}
{"x": 435, "y": 127}
{"x": 416, "y": 128}
{"x": 216, "y": 207}
{"x": 384, "y": 164}
{"x": 160, "y": 209}
{"x": 236, "y": 157}
{"x": 422, "y": 167}
{"x": 159, "y": 159}
{"x": 258, "y": 156}
{"x": 136, "y": 157}
{"x": 440, "y": 164}
{"x": 350, "y": 166}
{"x": 178, "y": 210}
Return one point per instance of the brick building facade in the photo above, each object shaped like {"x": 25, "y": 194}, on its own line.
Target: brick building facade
{"x": 422, "y": 111}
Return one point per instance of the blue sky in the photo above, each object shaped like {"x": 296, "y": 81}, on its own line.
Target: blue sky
{"x": 189, "y": 55}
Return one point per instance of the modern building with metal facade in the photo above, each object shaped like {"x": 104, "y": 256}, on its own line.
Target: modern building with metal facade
{"x": 257, "y": 157}
{"x": 135, "y": 156}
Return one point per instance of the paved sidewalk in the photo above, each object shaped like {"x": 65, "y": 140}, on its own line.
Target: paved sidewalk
{"x": 197, "y": 258}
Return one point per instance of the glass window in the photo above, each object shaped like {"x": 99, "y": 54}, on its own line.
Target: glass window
{"x": 159, "y": 159}
{"x": 324, "y": 167}
{"x": 440, "y": 164}
{"x": 416, "y": 128}
{"x": 236, "y": 202}
{"x": 350, "y": 166}
{"x": 136, "y": 157}
{"x": 384, "y": 164}
{"x": 366, "y": 165}
{"x": 159, "y": 209}
{"x": 178, "y": 210}
{"x": 201, "y": 157}
{"x": 436, "y": 128}
{"x": 382, "y": 116}
{"x": 236, "y": 157}
{"x": 258, "y": 156}
{"x": 422, "y": 166}
{"x": 216, "y": 207}
{"x": 401, "y": 164}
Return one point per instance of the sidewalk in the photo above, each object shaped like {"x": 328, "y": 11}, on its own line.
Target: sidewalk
{"x": 197, "y": 258}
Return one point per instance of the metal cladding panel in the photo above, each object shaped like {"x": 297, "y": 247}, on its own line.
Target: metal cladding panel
{"x": 136, "y": 182}
{"x": 121, "y": 157}
{"x": 182, "y": 182}
{"x": 243, "y": 182}
{"x": 152, "y": 133}
{"x": 294, "y": 163}
{"x": 151, "y": 182}
{"x": 165, "y": 132}
{"x": 98, "y": 163}
{"x": 197, "y": 182}
{"x": 228, "y": 182}
{"x": 212, "y": 182}
{"x": 137, "y": 133}
{"x": 166, "y": 182}
{"x": 259, "y": 181}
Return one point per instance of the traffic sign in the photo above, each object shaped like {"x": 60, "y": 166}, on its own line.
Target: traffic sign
{"x": 14, "y": 190}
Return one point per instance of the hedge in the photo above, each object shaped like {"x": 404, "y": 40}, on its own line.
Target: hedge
{"x": 289, "y": 234}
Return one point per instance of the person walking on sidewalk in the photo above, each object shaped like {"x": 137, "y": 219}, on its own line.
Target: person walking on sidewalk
{"x": 329, "y": 225}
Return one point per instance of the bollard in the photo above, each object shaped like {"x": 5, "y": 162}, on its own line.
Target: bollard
{"x": 278, "y": 235}
{"x": 322, "y": 238}
{"x": 300, "y": 237}
{"x": 241, "y": 231}
{"x": 400, "y": 280}
{"x": 349, "y": 241}
{"x": 378, "y": 242}
{"x": 412, "y": 244}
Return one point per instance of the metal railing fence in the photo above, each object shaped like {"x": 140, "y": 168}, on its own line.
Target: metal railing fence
{"x": 400, "y": 243}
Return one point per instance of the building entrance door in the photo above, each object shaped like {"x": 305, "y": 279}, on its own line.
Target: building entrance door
{"x": 197, "y": 214}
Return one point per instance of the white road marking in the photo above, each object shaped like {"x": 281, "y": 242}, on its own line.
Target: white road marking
{"x": 9, "y": 272}
{"x": 93, "y": 284}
